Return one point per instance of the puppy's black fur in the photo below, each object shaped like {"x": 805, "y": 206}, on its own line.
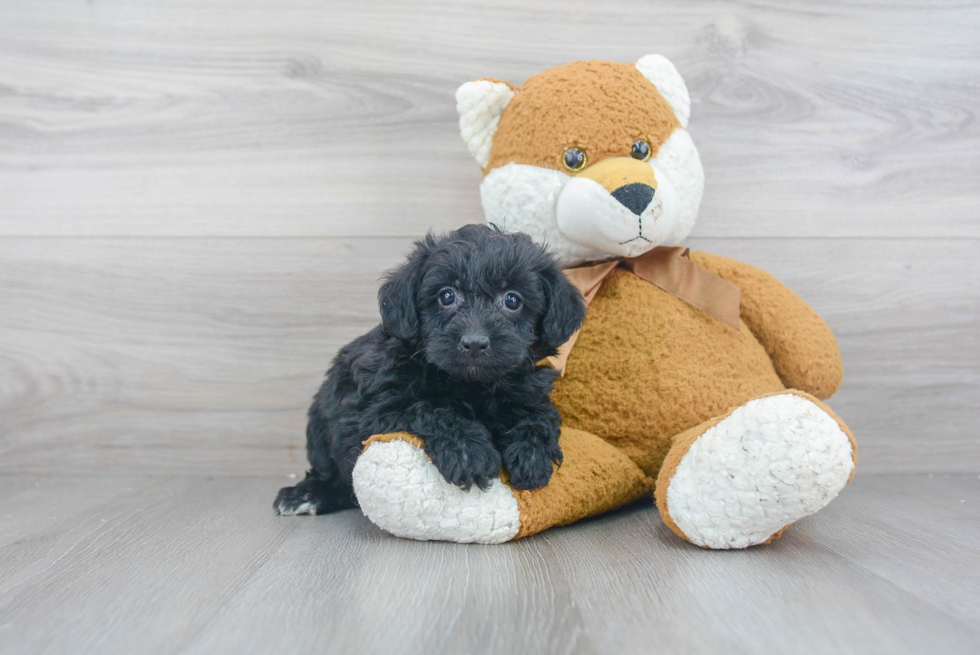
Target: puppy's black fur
{"x": 464, "y": 322}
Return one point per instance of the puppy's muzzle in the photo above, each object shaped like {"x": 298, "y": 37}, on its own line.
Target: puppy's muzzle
{"x": 474, "y": 344}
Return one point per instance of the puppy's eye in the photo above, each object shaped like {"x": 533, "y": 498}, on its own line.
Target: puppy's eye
{"x": 574, "y": 159}
{"x": 641, "y": 150}
{"x": 447, "y": 297}
{"x": 512, "y": 301}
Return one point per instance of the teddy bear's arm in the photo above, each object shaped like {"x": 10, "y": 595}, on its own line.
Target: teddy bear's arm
{"x": 802, "y": 347}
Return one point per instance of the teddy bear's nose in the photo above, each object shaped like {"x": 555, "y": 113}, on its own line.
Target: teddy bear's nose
{"x": 635, "y": 197}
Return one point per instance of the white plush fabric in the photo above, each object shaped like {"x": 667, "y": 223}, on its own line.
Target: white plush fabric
{"x": 659, "y": 70}
{"x": 588, "y": 214}
{"x": 522, "y": 198}
{"x": 403, "y": 493}
{"x": 480, "y": 105}
{"x": 679, "y": 163}
{"x": 772, "y": 462}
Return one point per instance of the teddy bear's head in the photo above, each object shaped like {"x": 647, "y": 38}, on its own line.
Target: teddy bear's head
{"x": 591, "y": 158}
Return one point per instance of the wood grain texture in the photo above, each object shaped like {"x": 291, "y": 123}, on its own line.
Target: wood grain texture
{"x": 202, "y": 355}
{"x": 302, "y": 118}
{"x": 198, "y": 565}
{"x": 169, "y": 171}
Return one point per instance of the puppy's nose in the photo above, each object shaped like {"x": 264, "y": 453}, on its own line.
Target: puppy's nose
{"x": 474, "y": 344}
{"x": 635, "y": 197}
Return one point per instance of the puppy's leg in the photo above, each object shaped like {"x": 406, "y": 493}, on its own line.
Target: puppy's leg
{"x": 325, "y": 489}
{"x": 317, "y": 494}
{"x": 462, "y": 450}
{"x": 530, "y": 448}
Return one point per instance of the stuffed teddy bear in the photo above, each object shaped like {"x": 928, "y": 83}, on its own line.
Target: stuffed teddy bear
{"x": 695, "y": 377}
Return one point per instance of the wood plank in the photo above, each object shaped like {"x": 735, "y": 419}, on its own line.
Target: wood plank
{"x": 202, "y": 565}
{"x": 202, "y": 355}
{"x": 796, "y": 595}
{"x": 149, "y": 568}
{"x": 919, "y": 532}
{"x": 177, "y": 118}
{"x": 30, "y": 503}
{"x": 136, "y": 352}
{"x": 359, "y": 590}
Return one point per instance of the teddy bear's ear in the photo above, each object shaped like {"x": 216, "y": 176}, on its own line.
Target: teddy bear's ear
{"x": 669, "y": 82}
{"x": 480, "y": 104}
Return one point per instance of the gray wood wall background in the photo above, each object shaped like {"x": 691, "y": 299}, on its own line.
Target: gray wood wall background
{"x": 197, "y": 199}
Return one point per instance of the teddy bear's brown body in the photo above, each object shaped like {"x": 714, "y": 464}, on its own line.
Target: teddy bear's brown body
{"x": 649, "y": 374}
{"x": 648, "y": 366}
{"x": 644, "y": 370}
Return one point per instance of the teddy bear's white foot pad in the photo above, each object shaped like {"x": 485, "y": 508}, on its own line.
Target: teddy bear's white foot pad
{"x": 770, "y": 463}
{"x": 403, "y": 493}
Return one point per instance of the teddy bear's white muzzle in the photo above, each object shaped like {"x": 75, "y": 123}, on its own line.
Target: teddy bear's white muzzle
{"x": 591, "y": 216}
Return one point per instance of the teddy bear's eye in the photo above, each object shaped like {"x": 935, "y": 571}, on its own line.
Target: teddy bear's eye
{"x": 641, "y": 150}
{"x": 574, "y": 159}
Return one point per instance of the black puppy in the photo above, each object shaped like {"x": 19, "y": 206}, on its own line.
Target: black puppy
{"x": 464, "y": 322}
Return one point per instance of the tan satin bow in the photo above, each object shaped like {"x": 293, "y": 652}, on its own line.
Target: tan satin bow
{"x": 669, "y": 268}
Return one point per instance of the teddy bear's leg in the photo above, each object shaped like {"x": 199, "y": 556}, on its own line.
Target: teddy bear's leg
{"x": 741, "y": 479}
{"x": 402, "y": 492}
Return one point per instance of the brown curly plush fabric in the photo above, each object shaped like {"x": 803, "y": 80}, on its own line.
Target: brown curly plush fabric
{"x": 594, "y": 478}
{"x": 632, "y": 109}
{"x": 648, "y": 366}
{"x": 802, "y": 347}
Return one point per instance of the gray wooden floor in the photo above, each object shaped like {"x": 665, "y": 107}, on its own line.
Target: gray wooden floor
{"x": 197, "y": 198}
{"x": 137, "y": 564}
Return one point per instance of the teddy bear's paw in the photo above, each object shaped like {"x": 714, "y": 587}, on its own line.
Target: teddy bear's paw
{"x": 768, "y": 464}
{"x": 400, "y": 490}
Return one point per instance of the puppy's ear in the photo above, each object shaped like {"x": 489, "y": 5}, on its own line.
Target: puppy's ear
{"x": 564, "y": 314}
{"x": 398, "y": 296}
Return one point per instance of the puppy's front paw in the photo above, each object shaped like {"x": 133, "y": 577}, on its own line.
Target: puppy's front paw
{"x": 529, "y": 463}
{"x": 465, "y": 462}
